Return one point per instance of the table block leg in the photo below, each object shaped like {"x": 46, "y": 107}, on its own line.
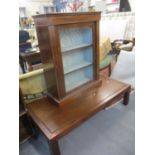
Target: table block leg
{"x": 126, "y": 97}
{"x": 54, "y": 147}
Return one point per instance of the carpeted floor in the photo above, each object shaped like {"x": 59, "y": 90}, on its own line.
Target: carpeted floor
{"x": 109, "y": 132}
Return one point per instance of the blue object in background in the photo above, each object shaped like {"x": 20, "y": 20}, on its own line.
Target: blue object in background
{"x": 60, "y": 4}
{"x": 23, "y": 38}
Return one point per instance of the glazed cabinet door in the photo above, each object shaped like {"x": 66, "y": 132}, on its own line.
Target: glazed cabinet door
{"x": 77, "y": 53}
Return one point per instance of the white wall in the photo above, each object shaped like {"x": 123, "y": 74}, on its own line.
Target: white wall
{"x": 132, "y": 5}
{"x": 33, "y": 6}
{"x": 100, "y": 5}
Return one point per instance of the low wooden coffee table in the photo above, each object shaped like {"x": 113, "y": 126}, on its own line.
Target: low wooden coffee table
{"x": 55, "y": 122}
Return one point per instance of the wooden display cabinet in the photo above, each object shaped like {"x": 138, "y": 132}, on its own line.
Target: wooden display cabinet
{"x": 69, "y": 46}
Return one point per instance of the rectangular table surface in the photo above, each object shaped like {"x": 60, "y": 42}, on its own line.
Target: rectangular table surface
{"x": 56, "y": 121}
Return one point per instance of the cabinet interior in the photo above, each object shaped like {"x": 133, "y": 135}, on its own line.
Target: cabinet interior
{"x": 77, "y": 55}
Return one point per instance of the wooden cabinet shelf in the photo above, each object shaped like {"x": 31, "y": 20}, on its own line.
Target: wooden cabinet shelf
{"x": 66, "y": 49}
{"x": 78, "y": 78}
{"x": 78, "y": 59}
{"x": 69, "y": 46}
{"x": 82, "y": 64}
{"x": 75, "y": 37}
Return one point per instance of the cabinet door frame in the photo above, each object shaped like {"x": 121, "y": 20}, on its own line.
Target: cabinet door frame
{"x": 92, "y": 25}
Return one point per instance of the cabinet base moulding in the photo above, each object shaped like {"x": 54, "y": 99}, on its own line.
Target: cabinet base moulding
{"x": 75, "y": 94}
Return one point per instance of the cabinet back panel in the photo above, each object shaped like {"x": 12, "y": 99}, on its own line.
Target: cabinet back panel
{"x": 77, "y": 59}
{"x": 73, "y": 37}
{"x": 78, "y": 78}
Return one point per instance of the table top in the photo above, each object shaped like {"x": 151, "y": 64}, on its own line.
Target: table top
{"x": 32, "y": 52}
{"x": 56, "y": 121}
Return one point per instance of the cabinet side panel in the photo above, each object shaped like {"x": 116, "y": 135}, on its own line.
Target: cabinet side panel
{"x": 47, "y": 59}
{"x": 57, "y": 57}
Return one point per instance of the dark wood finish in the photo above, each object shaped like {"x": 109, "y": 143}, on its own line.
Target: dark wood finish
{"x": 30, "y": 58}
{"x": 66, "y": 18}
{"x": 25, "y": 131}
{"x": 21, "y": 104}
{"x": 126, "y": 98}
{"x": 56, "y": 121}
{"x": 54, "y": 147}
{"x": 54, "y": 40}
{"x": 97, "y": 49}
{"x": 47, "y": 27}
{"x": 22, "y": 64}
